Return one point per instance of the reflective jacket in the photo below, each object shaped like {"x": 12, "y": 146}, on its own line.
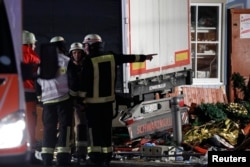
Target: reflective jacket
{"x": 30, "y": 57}
{"x": 99, "y": 75}
{"x": 56, "y": 89}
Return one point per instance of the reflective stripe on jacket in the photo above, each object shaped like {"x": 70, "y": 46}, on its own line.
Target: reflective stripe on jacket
{"x": 99, "y": 74}
{"x": 101, "y": 89}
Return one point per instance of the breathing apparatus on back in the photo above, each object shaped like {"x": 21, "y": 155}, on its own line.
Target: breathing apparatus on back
{"x": 60, "y": 44}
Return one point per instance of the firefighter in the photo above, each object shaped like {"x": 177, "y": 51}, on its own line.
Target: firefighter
{"x": 57, "y": 110}
{"x": 98, "y": 93}
{"x": 30, "y": 57}
{"x": 76, "y": 54}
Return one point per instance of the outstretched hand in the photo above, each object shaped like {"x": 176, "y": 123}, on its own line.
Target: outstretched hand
{"x": 150, "y": 56}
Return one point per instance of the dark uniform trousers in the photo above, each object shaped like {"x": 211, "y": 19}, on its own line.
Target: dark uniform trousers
{"x": 31, "y": 101}
{"x": 81, "y": 133}
{"x": 57, "y": 115}
{"x": 99, "y": 118}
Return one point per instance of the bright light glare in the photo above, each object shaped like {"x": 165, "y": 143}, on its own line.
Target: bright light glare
{"x": 12, "y": 131}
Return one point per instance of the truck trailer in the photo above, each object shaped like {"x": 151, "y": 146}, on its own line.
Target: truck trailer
{"x": 153, "y": 26}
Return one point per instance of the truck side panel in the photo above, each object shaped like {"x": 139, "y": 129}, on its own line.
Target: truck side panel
{"x": 157, "y": 26}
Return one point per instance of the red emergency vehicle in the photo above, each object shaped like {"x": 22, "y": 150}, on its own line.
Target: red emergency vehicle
{"x": 14, "y": 137}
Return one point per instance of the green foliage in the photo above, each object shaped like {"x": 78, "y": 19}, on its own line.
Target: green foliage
{"x": 238, "y": 112}
{"x": 246, "y": 104}
{"x": 244, "y": 119}
{"x": 239, "y": 82}
{"x": 207, "y": 111}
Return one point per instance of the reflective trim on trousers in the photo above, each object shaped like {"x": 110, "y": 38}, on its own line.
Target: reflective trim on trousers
{"x": 94, "y": 149}
{"x": 107, "y": 149}
{"x": 63, "y": 149}
{"x": 100, "y": 149}
{"x": 47, "y": 150}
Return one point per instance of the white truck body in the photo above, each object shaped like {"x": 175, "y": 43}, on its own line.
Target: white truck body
{"x": 156, "y": 26}
{"x": 162, "y": 27}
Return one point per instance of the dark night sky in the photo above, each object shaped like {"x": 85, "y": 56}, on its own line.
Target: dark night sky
{"x": 73, "y": 19}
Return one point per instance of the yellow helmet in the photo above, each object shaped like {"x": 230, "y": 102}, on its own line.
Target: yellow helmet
{"x": 76, "y": 45}
{"x": 92, "y": 38}
{"x": 57, "y": 39}
{"x": 28, "y": 37}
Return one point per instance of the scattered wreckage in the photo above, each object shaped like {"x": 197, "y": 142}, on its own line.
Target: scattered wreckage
{"x": 208, "y": 127}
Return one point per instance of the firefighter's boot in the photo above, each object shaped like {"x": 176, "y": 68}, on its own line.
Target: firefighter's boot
{"x": 80, "y": 154}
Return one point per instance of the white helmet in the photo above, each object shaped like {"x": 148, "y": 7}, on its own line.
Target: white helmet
{"x": 28, "y": 37}
{"x": 92, "y": 38}
{"x": 57, "y": 39}
{"x": 76, "y": 45}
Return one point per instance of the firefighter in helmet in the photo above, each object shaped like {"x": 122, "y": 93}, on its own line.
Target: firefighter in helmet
{"x": 30, "y": 57}
{"x": 98, "y": 93}
{"x": 77, "y": 55}
{"x": 60, "y": 43}
{"x": 57, "y": 110}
